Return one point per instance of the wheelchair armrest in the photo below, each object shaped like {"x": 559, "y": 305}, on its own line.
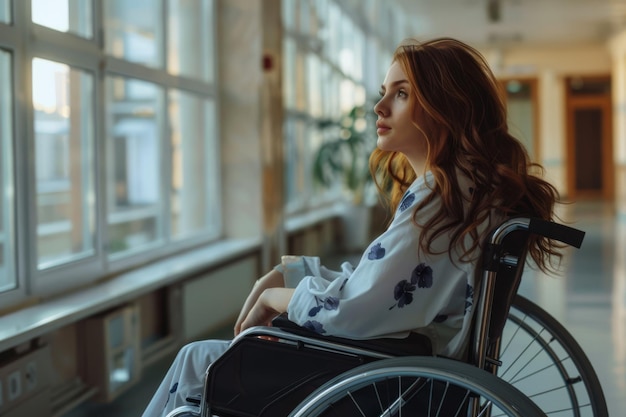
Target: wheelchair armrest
{"x": 413, "y": 345}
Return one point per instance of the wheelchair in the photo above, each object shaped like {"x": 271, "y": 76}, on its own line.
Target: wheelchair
{"x": 521, "y": 362}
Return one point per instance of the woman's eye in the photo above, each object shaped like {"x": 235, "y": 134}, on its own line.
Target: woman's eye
{"x": 402, "y": 93}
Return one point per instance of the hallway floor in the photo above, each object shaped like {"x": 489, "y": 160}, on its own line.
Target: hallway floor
{"x": 589, "y": 299}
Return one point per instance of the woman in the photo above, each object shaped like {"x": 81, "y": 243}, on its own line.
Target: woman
{"x": 449, "y": 170}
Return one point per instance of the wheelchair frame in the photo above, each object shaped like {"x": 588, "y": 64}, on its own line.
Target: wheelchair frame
{"x": 502, "y": 266}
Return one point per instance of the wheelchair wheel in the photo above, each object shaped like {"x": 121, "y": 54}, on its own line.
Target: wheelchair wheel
{"x": 542, "y": 359}
{"x": 416, "y": 386}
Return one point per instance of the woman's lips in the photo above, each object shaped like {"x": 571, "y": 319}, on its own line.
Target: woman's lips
{"x": 382, "y": 129}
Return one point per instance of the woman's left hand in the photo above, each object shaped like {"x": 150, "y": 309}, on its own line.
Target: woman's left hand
{"x": 271, "y": 302}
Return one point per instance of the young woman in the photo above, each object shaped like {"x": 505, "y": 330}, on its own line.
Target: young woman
{"x": 449, "y": 170}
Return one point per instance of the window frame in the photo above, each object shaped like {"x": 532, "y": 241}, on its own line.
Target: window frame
{"x": 26, "y": 40}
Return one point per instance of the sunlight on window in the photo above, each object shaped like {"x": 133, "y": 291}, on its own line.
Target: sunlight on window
{"x": 51, "y": 13}
{"x": 46, "y": 76}
{"x": 58, "y": 15}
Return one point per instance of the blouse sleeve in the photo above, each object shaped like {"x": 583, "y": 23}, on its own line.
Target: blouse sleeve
{"x": 392, "y": 291}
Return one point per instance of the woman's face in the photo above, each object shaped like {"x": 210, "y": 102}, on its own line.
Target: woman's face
{"x": 396, "y": 125}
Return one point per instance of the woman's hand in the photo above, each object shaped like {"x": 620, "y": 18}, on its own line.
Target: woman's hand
{"x": 271, "y": 302}
{"x": 272, "y": 279}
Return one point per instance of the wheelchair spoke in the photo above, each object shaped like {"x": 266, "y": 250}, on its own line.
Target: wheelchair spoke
{"x": 411, "y": 386}
{"x": 356, "y": 404}
{"x": 541, "y": 359}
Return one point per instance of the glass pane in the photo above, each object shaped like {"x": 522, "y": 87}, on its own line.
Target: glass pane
{"x": 288, "y": 14}
{"x": 7, "y": 277}
{"x": 191, "y": 39}
{"x": 134, "y": 114}
{"x": 315, "y": 85}
{"x": 5, "y": 11}
{"x": 133, "y": 30}
{"x": 72, "y": 16}
{"x": 296, "y": 173}
{"x": 63, "y": 101}
{"x": 289, "y": 73}
{"x": 193, "y": 193}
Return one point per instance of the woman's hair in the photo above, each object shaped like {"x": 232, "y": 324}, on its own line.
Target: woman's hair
{"x": 459, "y": 97}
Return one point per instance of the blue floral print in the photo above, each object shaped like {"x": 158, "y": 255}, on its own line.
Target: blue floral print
{"x": 329, "y": 303}
{"x": 376, "y": 252}
{"x": 314, "y": 326}
{"x": 406, "y": 202}
{"x": 422, "y": 277}
{"x": 403, "y": 293}
{"x": 172, "y": 391}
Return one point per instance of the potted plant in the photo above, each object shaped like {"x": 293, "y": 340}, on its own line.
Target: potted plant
{"x": 344, "y": 160}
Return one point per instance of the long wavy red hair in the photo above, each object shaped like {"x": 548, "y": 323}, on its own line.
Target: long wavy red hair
{"x": 453, "y": 85}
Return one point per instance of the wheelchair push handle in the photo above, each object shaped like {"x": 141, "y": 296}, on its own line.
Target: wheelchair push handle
{"x": 556, "y": 231}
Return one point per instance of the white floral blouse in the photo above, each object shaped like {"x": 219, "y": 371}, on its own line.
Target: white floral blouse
{"x": 393, "y": 290}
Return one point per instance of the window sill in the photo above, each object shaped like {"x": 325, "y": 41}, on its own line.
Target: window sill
{"x": 296, "y": 222}
{"x": 34, "y": 321}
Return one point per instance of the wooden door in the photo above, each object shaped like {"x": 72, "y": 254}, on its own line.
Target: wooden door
{"x": 589, "y": 143}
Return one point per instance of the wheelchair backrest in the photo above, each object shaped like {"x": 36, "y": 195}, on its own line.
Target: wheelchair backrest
{"x": 499, "y": 277}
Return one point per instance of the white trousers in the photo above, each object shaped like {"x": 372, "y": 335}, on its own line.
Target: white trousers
{"x": 185, "y": 378}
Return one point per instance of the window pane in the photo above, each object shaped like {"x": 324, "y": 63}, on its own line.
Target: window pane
{"x": 133, "y": 30}
{"x": 5, "y": 11}
{"x": 7, "y": 277}
{"x": 191, "y": 39}
{"x": 72, "y": 16}
{"x": 314, "y": 92}
{"x": 296, "y": 173}
{"x": 193, "y": 193}
{"x": 63, "y": 100}
{"x": 134, "y": 114}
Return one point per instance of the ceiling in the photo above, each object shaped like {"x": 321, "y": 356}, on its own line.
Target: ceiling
{"x": 517, "y": 22}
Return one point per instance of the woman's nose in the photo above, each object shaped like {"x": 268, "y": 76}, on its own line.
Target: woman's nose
{"x": 379, "y": 109}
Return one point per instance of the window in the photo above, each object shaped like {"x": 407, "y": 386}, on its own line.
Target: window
{"x": 193, "y": 183}
{"x": 190, "y": 39}
{"x": 5, "y": 11}
{"x": 71, "y": 16}
{"x": 7, "y": 277}
{"x": 116, "y": 163}
{"x": 133, "y": 31}
{"x": 323, "y": 71}
{"x": 133, "y": 154}
{"x": 63, "y": 104}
